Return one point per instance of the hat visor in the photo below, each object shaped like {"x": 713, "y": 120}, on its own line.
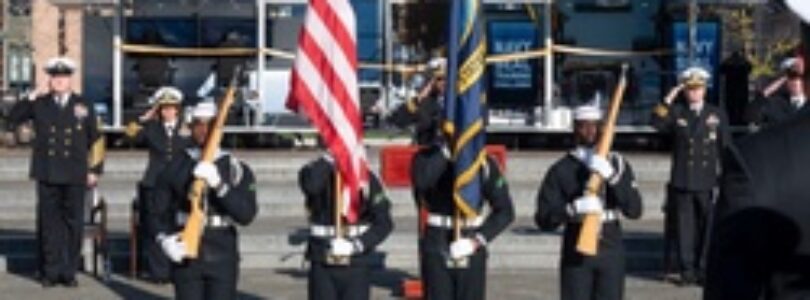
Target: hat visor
{"x": 589, "y": 117}
{"x": 203, "y": 118}
{"x": 694, "y": 84}
{"x": 167, "y": 102}
{"x": 59, "y": 72}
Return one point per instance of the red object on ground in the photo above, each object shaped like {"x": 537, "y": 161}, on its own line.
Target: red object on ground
{"x": 412, "y": 289}
{"x": 395, "y": 163}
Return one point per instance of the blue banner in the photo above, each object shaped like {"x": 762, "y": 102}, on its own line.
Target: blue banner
{"x": 464, "y": 101}
{"x": 707, "y": 47}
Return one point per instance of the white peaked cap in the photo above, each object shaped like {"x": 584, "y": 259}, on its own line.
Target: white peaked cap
{"x": 204, "y": 110}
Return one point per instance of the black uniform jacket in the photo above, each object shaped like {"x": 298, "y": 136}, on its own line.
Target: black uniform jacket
{"x": 565, "y": 181}
{"x": 773, "y": 110}
{"x": 316, "y": 180}
{"x": 424, "y": 116}
{"x": 68, "y": 144}
{"x": 760, "y": 243}
{"x": 237, "y": 205}
{"x": 162, "y": 149}
{"x": 432, "y": 178}
{"x": 697, "y": 141}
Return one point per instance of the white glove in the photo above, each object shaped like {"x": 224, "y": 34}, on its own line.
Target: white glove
{"x": 173, "y": 247}
{"x": 341, "y": 247}
{"x": 587, "y": 205}
{"x": 601, "y": 166}
{"x": 462, "y": 248}
{"x": 208, "y": 171}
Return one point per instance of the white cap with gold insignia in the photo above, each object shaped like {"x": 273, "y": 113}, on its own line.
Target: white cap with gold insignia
{"x": 695, "y": 77}
{"x": 167, "y": 95}
{"x": 791, "y": 64}
{"x": 60, "y": 66}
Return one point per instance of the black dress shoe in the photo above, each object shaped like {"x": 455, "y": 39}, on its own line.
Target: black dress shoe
{"x": 47, "y": 283}
{"x": 72, "y": 283}
{"x": 688, "y": 280}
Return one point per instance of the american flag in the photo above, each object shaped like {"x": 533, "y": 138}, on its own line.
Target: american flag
{"x": 323, "y": 87}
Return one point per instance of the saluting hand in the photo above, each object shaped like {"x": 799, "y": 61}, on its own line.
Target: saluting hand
{"x": 673, "y": 93}
{"x": 149, "y": 114}
{"x": 92, "y": 180}
{"x": 34, "y": 95}
{"x": 426, "y": 90}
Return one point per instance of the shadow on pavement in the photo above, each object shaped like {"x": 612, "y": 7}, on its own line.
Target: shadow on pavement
{"x": 126, "y": 290}
{"x": 386, "y": 279}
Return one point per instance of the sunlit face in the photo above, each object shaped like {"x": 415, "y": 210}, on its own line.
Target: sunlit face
{"x": 795, "y": 86}
{"x": 199, "y": 130}
{"x": 168, "y": 113}
{"x": 586, "y": 132}
{"x": 60, "y": 83}
{"x": 695, "y": 94}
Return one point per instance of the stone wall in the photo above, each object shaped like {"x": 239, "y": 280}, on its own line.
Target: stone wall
{"x": 45, "y": 38}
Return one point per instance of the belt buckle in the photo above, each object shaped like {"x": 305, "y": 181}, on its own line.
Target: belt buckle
{"x": 338, "y": 261}
{"x": 461, "y": 263}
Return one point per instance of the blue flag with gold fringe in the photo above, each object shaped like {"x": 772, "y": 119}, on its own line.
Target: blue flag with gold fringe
{"x": 464, "y": 102}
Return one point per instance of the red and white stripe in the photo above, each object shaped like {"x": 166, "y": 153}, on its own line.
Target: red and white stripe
{"x": 323, "y": 87}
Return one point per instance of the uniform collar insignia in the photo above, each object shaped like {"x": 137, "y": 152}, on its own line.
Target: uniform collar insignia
{"x": 712, "y": 120}
{"x": 80, "y": 111}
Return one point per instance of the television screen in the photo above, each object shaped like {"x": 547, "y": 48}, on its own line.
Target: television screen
{"x": 515, "y": 83}
{"x": 214, "y": 31}
{"x": 190, "y": 32}
{"x": 168, "y": 31}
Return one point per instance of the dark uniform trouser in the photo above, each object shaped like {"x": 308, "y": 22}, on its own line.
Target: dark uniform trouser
{"x": 197, "y": 279}
{"x": 443, "y": 283}
{"x": 691, "y": 211}
{"x": 338, "y": 282}
{"x": 60, "y": 218}
{"x": 154, "y": 261}
{"x": 594, "y": 278}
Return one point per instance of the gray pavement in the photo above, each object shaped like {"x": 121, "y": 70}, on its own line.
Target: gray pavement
{"x": 523, "y": 267}
{"x": 291, "y": 284}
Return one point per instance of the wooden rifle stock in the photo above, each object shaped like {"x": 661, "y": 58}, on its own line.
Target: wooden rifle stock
{"x": 588, "y": 241}
{"x": 193, "y": 230}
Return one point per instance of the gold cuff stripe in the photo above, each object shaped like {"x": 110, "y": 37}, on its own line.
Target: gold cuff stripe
{"x": 97, "y": 152}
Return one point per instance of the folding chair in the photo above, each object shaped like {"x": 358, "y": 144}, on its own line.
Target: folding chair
{"x": 95, "y": 254}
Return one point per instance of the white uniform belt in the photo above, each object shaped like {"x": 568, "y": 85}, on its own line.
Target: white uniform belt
{"x": 210, "y": 221}
{"x": 609, "y": 215}
{"x": 442, "y": 221}
{"x": 325, "y": 231}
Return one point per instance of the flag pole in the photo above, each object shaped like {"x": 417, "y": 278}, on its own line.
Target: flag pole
{"x": 338, "y": 206}
{"x": 457, "y": 224}
{"x": 339, "y": 232}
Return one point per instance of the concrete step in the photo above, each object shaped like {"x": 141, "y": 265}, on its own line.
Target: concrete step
{"x": 280, "y": 242}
